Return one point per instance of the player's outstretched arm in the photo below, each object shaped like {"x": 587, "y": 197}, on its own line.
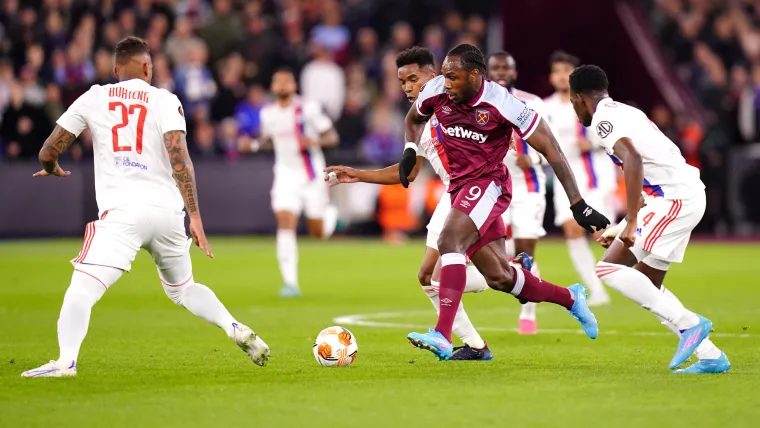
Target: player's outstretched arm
{"x": 51, "y": 151}
{"x": 386, "y": 176}
{"x": 184, "y": 175}
{"x": 542, "y": 139}
{"x": 329, "y": 138}
{"x": 414, "y": 125}
{"x": 634, "y": 181}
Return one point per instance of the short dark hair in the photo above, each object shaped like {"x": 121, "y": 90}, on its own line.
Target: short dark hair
{"x": 284, "y": 69}
{"x": 415, "y": 55}
{"x": 498, "y": 53}
{"x": 472, "y": 57}
{"x": 588, "y": 79}
{"x": 129, "y": 47}
{"x": 563, "y": 57}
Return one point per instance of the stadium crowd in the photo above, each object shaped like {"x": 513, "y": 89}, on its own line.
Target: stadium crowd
{"x": 218, "y": 57}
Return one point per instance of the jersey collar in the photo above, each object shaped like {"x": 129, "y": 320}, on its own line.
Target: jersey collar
{"x": 479, "y": 95}
{"x": 603, "y": 100}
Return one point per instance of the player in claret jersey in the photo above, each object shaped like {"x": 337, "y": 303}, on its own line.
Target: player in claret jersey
{"x": 416, "y": 66}
{"x": 656, "y": 230}
{"x": 476, "y": 119}
{"x": 142, "y": 175}
{"x": 526, "y": 210}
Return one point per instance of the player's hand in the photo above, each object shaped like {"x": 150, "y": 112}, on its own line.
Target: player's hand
{"x": 59, "y": 172}
{"x": 199, "y": 236}
{"x": 524, "y": 161}
{"x": 604, "y": 241}
{"x": 584, "y": 145}
{"x": 588, "y": 218}
{"x": 628, "y": 235}
{"x": 343, "y": 174}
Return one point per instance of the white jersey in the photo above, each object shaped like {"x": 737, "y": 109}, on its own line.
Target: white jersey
{"x": 128, "y": 121}
{"x": 666, "y": 173}
{"x": 591, "y": 169}
{"x": 432, "y": 150}
{"x": 289, "y": 128}
{"x": 533, "y": 179}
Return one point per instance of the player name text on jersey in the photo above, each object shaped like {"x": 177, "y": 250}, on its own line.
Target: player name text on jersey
{"x": 126, "y": 94}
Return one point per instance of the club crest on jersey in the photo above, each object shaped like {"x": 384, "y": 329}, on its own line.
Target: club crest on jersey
{"x": 482, "y": 116}
{"x": 434, "y": 121}
{"x": 603, "y": 129}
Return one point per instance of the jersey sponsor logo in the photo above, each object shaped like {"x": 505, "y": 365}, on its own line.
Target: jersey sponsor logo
{"x": 459, "y": 132}
{"x": 603, "y": 129}
{"x": 482, "y": 116}
{"x": 525, "y": 116}
{"x": 124, "y": 161}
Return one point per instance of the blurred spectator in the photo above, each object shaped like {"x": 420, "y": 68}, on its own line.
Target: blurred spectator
{"x": 435, "y": 40}
{"x": 205, "y": 146}
{"x": 260, "y": 48}
{"x": 247, "y": 111}
{"x": 53, "y": 104}
{"x": 34, "y": 93}
{"x": 231, "y": 88}
{"x": 74, "y": 68}
{"x": 162, "y": 75}
{"x": 367, "y": 52}
{"x": 223, "y": 29}
{"x": 181, "y": 41}
{"x": 384, "y": 141}
{"x": 664, "y": 120}
{"x": 351, "y": 126}
{"x": 24, "y": 127}
{"x": 402, "y": 36}
{"x": 323, "y": 81}
{"x": 330, "y": 33}
{"x": 228, "y": 138}
{"x": 194, "y": 82}
{"x": 104, "y": 67}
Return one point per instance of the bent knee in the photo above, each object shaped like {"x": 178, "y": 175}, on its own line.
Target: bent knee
{"x": 502, "y": 282}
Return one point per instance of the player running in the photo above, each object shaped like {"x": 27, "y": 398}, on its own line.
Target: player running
{"x": 142, "y": 174}
{"x": 595, "y": 175}
{"x": 416, "y": 66}
{"x": 297, "y": 129}
{"x": 656, "y": 234}
{"x": 525, "y": 214}
{"x": 476, "y": 118}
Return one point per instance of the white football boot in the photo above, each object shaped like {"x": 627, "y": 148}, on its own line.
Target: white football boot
{"x": 252, "y": 344}
{"x": 52, "y": 369}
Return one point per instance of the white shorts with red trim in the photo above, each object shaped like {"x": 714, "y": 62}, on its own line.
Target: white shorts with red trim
{"x": 119, "y": 234}
{"x": 525, "y": 215}
{"x": 665, "y": 225}
{"x": 298, "y": 196}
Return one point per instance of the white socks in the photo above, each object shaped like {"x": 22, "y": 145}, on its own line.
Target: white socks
{"x": 88, "y": 284}
{"x": 463, "y": 328}
{"x": 528, "y": 310}
{"x": 203, "y": 303}
{"x": 287, "y": 256}
{"x": 584, "y": 262}
{"x": 329, "y": 220}
{"x": 476, "y": 282}
{"x": 637, "y": 287}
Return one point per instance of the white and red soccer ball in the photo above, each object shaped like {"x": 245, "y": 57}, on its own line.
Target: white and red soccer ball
{"x": 335, "y": 347}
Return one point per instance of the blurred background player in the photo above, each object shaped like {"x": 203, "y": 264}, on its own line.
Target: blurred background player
{"x": 656, "y": 231}
{"x": 416, "y": 66}
{"x": 593, "y": 172}
{"x": 525, "y": 215}
{"x": 142, "y": 174}
{"x": 297, "y": 129}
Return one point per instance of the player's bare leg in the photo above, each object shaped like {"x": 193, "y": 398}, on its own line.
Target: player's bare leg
{"x": 323, "y": 228}
{"x": 584, "y": 261}
{"x": 287, "y": 252}
{"x": 527, "y": 318}
{"x": 643, "y": 284}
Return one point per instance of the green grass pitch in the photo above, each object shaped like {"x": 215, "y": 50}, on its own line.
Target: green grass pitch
{"x": 149, "y": 363}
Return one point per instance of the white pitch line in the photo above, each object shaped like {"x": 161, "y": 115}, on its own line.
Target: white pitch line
{"x": 364, "y": 320}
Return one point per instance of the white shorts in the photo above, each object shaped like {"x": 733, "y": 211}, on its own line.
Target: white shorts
{"x": 526, "y": 216}
{"x": 119, "y": 234}
{"x": 664, "y": 227}
{"x": 310, "y": 197}
{"x": 598, "y": 199}
{"x": 435, "y": 225}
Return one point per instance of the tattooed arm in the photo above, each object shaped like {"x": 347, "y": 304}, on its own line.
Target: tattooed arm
{"x": 182, "y": 170}
{"x": 56, "y": 143}
{"x": 184, "y": 176}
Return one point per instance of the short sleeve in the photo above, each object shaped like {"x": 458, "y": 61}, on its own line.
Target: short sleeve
{"x": 427, "y": 135}
{"x": 73, "y": 119}
{"x": 426, "y": 100}
{"x": 169, "y": 114}
{"x": 524, "y": 119}
{"x": 609, "y": 128}
{"x": 318, "y": 119}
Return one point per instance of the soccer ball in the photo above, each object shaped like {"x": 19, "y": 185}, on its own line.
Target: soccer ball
{"x": 335, "y": 346}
